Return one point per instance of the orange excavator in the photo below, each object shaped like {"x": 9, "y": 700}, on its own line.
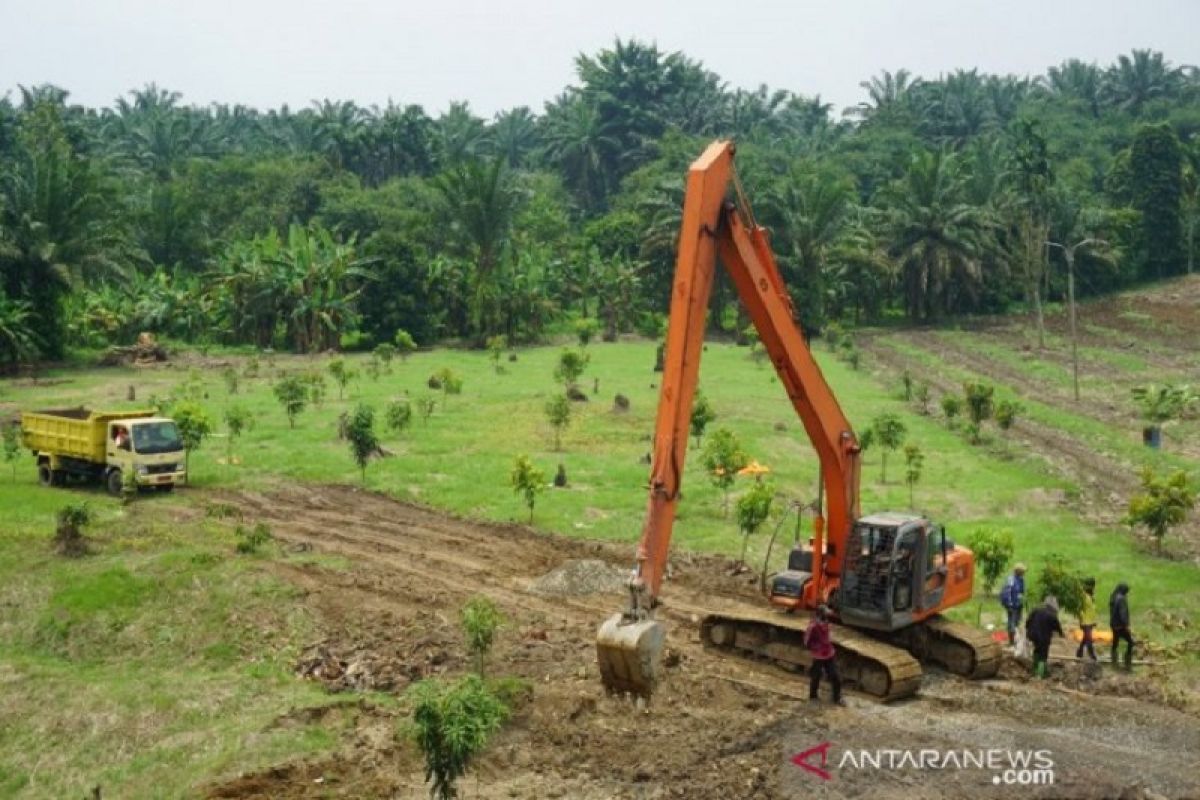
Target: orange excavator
{"x": 887, "y": 577}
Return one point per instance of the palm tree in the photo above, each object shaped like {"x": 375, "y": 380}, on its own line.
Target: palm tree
{"x": 812, "y": 208}
{"x": 1076, "y": 80}
{"x": 514, "y": 135}
{"x": 956, "y": 108}
{"x": 461, "y": 135}
{"x": 580, "y": 144}
{"x": 481, "y": 201}
{"x": 1140, "y": 77}
{"x": 59, "y": 221}
{"x": 886, "y": 94}
{"x": 752, "y": 114}
{"x": 339, "y": 127}
{"x": 936, "y": 237}
{"x": 18, "y": 342}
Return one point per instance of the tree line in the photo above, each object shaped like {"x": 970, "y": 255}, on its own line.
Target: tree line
{"x": 337, "y": 225}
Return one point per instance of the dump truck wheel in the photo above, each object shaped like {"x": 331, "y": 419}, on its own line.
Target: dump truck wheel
{"x": 58, "y": 477}
{"x": 45, "y": 475}
{"x": 114, "y": 482}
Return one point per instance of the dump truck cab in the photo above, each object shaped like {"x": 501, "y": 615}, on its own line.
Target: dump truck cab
{"x": 106, "y": 446}
{"x": 150, "y": 449}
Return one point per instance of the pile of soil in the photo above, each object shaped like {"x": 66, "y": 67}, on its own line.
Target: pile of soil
{"x": 145, "y": 351}
{"x": 582, "y": 577}
{"x": 384, "y": 653}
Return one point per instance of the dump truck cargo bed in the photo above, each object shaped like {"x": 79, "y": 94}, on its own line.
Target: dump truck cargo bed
{"x": 72, "y": 432}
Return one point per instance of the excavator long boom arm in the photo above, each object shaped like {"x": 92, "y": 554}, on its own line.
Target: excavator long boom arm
{"x": 712, "y": 226}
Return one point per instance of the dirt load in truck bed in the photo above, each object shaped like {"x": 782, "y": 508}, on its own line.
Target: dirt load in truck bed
{"x": 719, "y": 727}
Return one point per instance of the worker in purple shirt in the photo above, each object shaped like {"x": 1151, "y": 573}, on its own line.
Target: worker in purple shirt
{"x": 820, "y": 644}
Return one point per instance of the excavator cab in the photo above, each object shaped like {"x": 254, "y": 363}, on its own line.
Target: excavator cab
{"x": 894, "y": 572}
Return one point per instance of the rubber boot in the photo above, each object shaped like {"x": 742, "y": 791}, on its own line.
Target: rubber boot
{"x": 1114, "y": 652}
{"x": 1129, "y": 659}
{"x": 1039, "y": 669}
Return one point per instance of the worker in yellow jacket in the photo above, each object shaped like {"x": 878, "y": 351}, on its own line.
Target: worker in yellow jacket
{"x": 1087, "y": 618}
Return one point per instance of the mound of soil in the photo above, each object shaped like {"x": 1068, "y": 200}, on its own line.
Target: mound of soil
{"x": 582, "y": 577}
{"x": 383, "y": 653}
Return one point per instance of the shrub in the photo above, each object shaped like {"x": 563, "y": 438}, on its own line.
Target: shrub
{"x": 751, "y": 510}
{"x": 292, "y": 394}
{"x": 68, "y": 535}
{"x": 342, "y": 375}
{"x": 194, "y": 427}
{"x": 993, "y": 550}
{"x": 496, "y": 345}
{"x": 558, "y": 413}
{"x": 360, "y": 432}
{"x": 237, "y": 422}
{"x": 585, "y": 330}
{"x": 914, "y": 463}
{"x": 448, "y": 381}
{"x": 230, "y": 376}
{"x": 405, "y": 344}
{"x": 399, "y": 415}
{"x": 1159, "y": 403}
{"x": 723, "y": 457}
{"x": 527, "y": 481}
{"x": 833, "y": 333}
{"x": 850, "y": 353}
{"x": 12, "y": 446}
{"x": 451, "y": 726}
{"x": 889, "y": 433}
{"x": 979, "y": 401}
{"x": 951, "y": 407}
{"x": 480, "y": 621}
{"x": 702, "y": 414}
{"x": 922, "y": 395}
{"x": 1007, "y": 412}
{"x": 385, "y": 353}
{"x": 571, "y": 364}
{"x": 425, "y": 405}
{"x": 316, "y": 386}
{"x": 906, "y": 381}
{"x": 1163, "y": 504}
{"x": 1057, "y": 578}
{"x": 250, "y": 541}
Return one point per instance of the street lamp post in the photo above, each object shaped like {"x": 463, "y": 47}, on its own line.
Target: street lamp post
{"x": 1069, "y": 255}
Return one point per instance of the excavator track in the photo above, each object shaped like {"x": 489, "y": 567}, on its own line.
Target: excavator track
{"x": 874, "y": 667}
{"x": 960, "y": 649}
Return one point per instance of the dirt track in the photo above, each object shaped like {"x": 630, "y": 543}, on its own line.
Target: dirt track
{"x": 720, "y": 728}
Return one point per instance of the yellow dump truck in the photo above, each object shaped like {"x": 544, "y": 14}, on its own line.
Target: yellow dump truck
{"x": 76, "y": 443}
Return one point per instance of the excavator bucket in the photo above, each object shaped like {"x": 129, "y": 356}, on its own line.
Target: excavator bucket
{"x": 629, "y": 654}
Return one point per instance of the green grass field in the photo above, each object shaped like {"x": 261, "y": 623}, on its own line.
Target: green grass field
{"x": 163, "y": 658}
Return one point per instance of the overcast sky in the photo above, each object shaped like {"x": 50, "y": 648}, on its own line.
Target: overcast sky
{"x": 498, "y": 54}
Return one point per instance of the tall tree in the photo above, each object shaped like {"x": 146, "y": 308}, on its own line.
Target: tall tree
{"x": 59, "y": 223}
{"x": 1156, "y": 166}
{"x": 1142, "y": 76}
{"x": 1076, "y": 80}
{"x": 481, "y": 201}
{"x": 582, "y": 147}
{"x": 937, "y": 238}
